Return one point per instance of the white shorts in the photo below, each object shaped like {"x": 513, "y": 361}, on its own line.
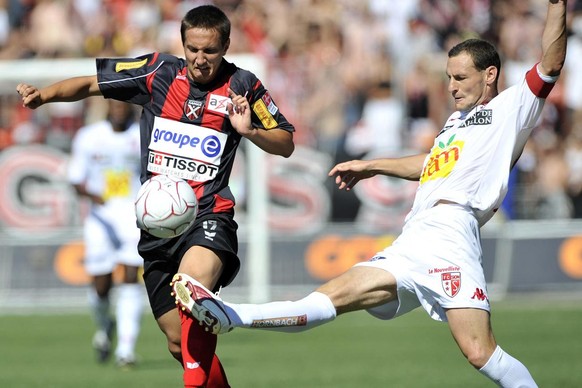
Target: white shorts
{"x": 109, "y": 241}
{"x": 437, "y": 264}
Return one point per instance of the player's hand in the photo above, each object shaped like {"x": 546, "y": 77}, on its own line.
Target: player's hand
{"x": 239, "y": 113}
{"x": 99, "y": 200}
{"x": 30, "y": 96}
{"x": 350, "y": 173}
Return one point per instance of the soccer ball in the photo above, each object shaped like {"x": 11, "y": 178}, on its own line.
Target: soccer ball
{"x": 165, "y": 206}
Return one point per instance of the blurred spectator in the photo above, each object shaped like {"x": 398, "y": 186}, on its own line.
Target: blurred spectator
{"x": 4, "y": 23}
{"x": 46, "y": 40}
{"x": 573, "y": 77}
{"x": 553, "y": 175}
{"x": 321, "y": 57}
{"x": 380, "y": 127}
{"x": 573, "y": 156}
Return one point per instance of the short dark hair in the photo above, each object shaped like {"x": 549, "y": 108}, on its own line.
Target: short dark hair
{"x": 207, "y": 17}
{"x": 482, "y": 52}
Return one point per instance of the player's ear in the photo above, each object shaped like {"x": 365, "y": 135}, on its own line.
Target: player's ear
{"x": 226, "y": 45}
{"x": 491, "y": 75}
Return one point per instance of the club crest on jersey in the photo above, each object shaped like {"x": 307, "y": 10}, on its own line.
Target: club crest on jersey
{"x": 451, "y": 282}
{"x": 193, "y": 109}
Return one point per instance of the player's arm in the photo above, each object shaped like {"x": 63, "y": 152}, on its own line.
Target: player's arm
{"x": 276, "y": 141}
{"x": 82, "y": 192}
{"x": 71, "y": 89}
{"x": 554, "y": 39}
{"x": 350, "y": 173}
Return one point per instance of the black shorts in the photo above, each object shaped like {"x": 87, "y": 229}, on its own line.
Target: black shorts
{"x": 162, "y": 256}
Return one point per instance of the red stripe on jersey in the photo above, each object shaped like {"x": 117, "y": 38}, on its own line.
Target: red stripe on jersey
{"x": 537, "y": 85}
{"x": 150, "y": 77}
{"x": 257, "y": 85}
{"x": 149, "y": 81}
{"x": 177, "y": 94}
{"x": 154, "y": 59}
{"x": 222, "y": 205}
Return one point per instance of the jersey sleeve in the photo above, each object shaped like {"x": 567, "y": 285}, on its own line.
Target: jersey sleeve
{"x": 129, "y": 79}
{"x": 537, "y": 85}
{"x": 265, "y": 112}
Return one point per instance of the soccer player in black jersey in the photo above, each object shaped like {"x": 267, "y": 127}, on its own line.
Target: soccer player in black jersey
{"x": 195, "y": 112}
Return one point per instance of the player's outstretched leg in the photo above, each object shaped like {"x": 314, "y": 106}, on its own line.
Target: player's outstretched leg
{"x": 206, "y": 307}
{"x": 221, "y": 317}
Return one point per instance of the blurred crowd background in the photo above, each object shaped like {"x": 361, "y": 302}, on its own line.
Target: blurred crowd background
{"x": 355, "y": 77}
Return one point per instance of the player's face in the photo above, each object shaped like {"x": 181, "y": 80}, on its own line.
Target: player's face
{"x": 468, "y": 85}
{"x": 119, "y": 114}
{"x": 204, "y": 52}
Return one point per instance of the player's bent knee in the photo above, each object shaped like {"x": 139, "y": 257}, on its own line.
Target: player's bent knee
{"x": 478, "y": 356}
{"x": 175, "y": 351}
{"x": 360, "y": 288}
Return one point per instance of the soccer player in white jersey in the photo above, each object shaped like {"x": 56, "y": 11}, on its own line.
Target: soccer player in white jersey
{"x": 105, "y": 167}
{"x": 436, "y": 262}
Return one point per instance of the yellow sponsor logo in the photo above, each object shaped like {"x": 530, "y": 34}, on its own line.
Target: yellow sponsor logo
{"x": 262, "y": 112}
{"x": 442, "y": 160}
{"x": 129, "y": 65}
{"x": 117, "y": 184}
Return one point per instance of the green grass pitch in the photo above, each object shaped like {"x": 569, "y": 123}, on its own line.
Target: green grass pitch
{"x": 355, "y": 350}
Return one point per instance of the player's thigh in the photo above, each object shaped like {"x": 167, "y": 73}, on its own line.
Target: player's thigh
{"x": 359, "y": 288}
{"x": 130, "y": 273}
{"x": 471, "y": 329}
{"x": 203, "y": 264}
{"x": 128, "y": 257}
{"x": 100, "y": 256}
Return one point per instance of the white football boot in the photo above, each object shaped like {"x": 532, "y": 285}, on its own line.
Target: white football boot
{"x": 205, "y": 306}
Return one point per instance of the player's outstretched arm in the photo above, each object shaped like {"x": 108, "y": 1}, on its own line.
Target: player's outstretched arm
{"x": 554, "y": 38}
{"x": 71, "y": 89}
{"x": 351, "y": 172}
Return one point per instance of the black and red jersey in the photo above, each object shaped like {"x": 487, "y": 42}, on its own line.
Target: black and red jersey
{"x": 185, "y": 130}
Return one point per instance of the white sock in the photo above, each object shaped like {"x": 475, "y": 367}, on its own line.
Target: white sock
{"x": 507, "y": 372}
{"x": 313, "y": 310}
{"x": 99, "y": 309}
{"x": 130, "y": 297}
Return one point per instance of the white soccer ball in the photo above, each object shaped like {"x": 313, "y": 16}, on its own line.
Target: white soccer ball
{"x": 165, "y": 206}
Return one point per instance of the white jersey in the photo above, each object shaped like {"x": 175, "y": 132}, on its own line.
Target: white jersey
{"x": 108, "y": 164}
{"x": 472, "y": 156}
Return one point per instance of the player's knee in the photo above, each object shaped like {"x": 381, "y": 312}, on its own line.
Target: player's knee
{"x": 478, "y": 355}
{"x": 102, "y": 292}
{"x": 360, "y": 288}
{"x": 175, "y": 349}
{"x": 174, "y": 343}
{"x": 130, "y": 274}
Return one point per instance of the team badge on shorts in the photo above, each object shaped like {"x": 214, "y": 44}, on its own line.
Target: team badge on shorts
{"x": 451, "y": 282}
